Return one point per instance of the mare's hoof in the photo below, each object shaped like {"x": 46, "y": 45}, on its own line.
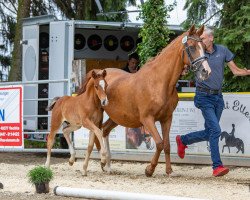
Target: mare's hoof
{"x": 106, "y": 169}
{"x": 148, "y": 171}
{"x": 169, "y": 171}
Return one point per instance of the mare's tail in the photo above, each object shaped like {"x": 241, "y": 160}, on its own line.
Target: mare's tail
{"x": 52, "y": 104}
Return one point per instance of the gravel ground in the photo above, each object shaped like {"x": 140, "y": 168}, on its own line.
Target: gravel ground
{"x": 186, "y": 181}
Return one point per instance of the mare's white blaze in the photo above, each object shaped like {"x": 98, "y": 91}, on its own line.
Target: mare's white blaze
{"x": 204, "y": 63}
{"x": 102, "y": 84}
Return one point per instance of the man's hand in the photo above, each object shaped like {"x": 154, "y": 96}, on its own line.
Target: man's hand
{"x": 238, "y": 71}
{"x": 185, "y": 70}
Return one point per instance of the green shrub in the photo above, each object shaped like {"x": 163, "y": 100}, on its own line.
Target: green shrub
{"x": 40, "y": 174}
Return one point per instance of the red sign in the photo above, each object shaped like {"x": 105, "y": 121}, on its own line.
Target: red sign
{"x": 11, "y": 111}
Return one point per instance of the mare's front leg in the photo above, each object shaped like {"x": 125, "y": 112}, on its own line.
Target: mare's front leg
{"x": 88, "y": 152}
{"x": 165, "y": 127}
{"x": 66, "y": 132}
{"x": 107, "y": 127}
{"x": 149, "y": 123}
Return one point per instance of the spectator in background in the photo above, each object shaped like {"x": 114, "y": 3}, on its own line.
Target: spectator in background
{"x": 132, "y": 64}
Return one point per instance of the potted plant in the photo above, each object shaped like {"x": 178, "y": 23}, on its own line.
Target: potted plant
{"x": 40, "y": 177}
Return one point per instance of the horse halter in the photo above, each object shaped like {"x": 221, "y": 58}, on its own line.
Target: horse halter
{"x": 195, "y": 64}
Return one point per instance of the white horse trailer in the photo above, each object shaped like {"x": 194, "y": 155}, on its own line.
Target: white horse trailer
{"x": 58, "y": 54}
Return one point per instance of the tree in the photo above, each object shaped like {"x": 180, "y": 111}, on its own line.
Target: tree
{"x": 22, "y": 12}
{"x": 11, "y": 14}
{"x": 87, "y": 9}
{"x": 154, "y": 33}
{"x": 7, "y": 31}
{"x": 232, "y": 28}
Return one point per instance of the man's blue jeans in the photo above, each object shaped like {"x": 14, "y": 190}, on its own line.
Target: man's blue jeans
{"x": 211, "y": 107}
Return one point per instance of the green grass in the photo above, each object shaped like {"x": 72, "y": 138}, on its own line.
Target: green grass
{"x": 40, "y": 145}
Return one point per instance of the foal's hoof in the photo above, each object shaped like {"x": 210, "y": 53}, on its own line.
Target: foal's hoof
{"x": 103, "y": 165}
{"x": 71, "y": 162}
{"x": 84, "y": 173}
{"x": 149, "y": 171}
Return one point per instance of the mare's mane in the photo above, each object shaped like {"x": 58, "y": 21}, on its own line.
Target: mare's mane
{"x": 85, "y": 83}
{"x": 150, "y": 60}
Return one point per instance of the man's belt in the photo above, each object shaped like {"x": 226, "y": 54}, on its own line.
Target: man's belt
{"x": 209, "y": 91}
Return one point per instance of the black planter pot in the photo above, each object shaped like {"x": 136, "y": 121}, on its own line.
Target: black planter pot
{"x": 42, "y": 188}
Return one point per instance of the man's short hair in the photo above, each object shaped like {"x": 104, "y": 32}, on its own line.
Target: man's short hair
{"x": 209, "y": 31}
{"x": 133, "y": 55}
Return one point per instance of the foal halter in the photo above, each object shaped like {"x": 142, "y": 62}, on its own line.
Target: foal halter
{"x": 195, "y": 64}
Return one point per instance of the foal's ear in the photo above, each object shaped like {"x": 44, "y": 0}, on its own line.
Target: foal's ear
{"x": 191, "y": 31}
{"x": 94, "y": 75}
{"x": 200, "y": 30}
{"x": 104, "y": 73}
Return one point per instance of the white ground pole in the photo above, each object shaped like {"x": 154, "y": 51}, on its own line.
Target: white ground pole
{"x": 107, "y": 194}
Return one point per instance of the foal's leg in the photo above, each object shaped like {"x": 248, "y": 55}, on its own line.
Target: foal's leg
{"x": 149, "y": 123}
{"x": 66, "y": 133}
{"x": 89, "y": 150}
{"x": 107, "y": 127}
{"x": 97, "y": 144}
{"x": 55, "y": 125}
{"x": 165, "y": 126}
{"x": 92, "y": 127}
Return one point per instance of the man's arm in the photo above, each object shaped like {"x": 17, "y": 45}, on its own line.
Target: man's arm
{"x": 236, "y": 70}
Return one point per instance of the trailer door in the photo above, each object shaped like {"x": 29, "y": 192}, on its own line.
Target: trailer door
{"x": 60, "y": 57}
{"x": 30, "y": 58}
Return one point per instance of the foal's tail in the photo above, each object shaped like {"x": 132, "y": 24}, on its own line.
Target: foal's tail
{"x": 52, "y": 104}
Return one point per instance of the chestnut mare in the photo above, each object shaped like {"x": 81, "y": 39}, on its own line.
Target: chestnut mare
{"x": 83, "y": 110}
{"x": 150, "y": 95}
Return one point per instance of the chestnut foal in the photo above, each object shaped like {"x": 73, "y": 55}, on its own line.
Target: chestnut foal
{"x": 85, "y": 110}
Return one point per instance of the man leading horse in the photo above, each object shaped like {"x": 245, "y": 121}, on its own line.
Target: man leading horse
{"x": 209, "y": 99}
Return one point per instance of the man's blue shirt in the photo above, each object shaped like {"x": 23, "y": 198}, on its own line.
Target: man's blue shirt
{"x": 216, "y": 61}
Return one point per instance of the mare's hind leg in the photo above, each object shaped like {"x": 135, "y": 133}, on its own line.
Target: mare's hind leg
{"x": 165, "y": 126}
{"x": 66, "y": 132}
{"x": 55, "y": 125}
{"x": 149, "y": 123}
{"x": 107, "y": 127}
{"x": 88, "y": 152}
